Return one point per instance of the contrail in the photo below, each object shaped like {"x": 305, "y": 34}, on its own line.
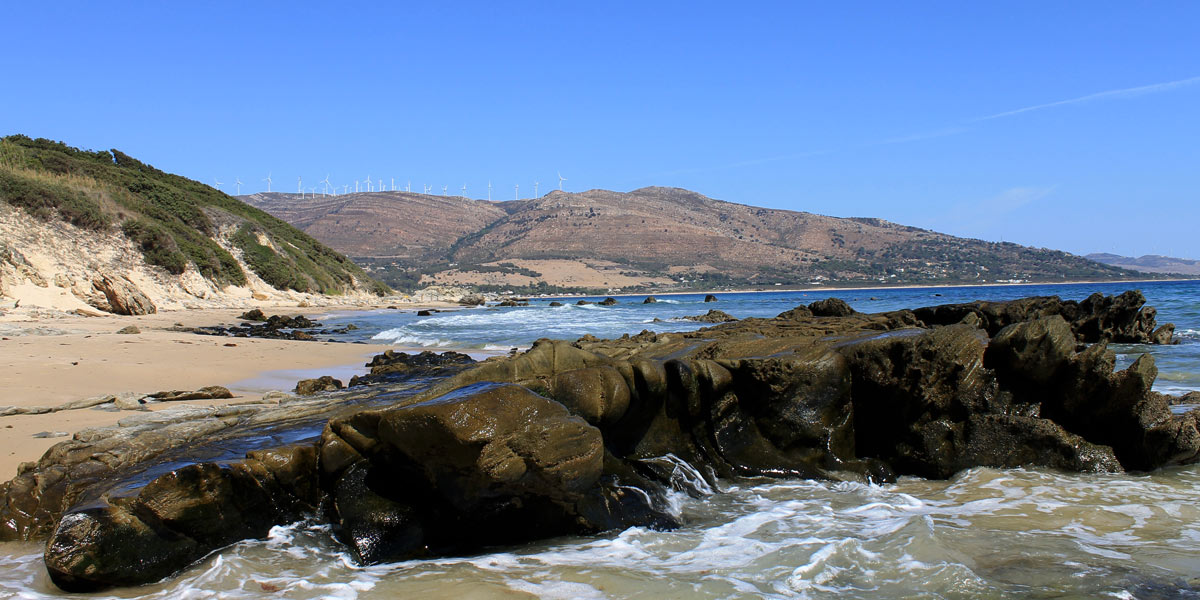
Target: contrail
{"x": 1122, "y": 93}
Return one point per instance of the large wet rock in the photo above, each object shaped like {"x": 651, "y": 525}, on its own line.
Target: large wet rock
{"x": 178, "y": 518}
{"x": 490, "y": 463}
{"x": 571, "y": 438}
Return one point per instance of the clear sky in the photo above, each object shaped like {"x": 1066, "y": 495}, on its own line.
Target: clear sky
{"x": 1057, "y": 124}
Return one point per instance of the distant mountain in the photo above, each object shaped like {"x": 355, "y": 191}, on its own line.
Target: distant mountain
{"x": 651, "y": 237}
{"x": 192, "y": 237}
{"x": 1149, "y": 263}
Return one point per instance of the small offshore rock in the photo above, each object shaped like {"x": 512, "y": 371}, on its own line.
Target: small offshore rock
{"x": 582, "y": 303}
{"x": 650, "y": 300}
{"x": 609, "y": 301}
{"x": 556, "y": 304}
{"x": 424, "y": 313}
{"x": 710, "y": 298}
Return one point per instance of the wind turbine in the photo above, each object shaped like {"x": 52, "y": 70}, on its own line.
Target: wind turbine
{"x": 535, "y": 188}
{"x": 355, "y": 186}
{"x": 408, "y": 186}
{"x": 517, "y": 192}
{"x": 380, "y": 188}
{"x": 464, "y": 189}
{"x": 560, "y": 180}
{"x": 444, "y": 188}
{"x": 217, "y": 182}
{"x": 326, "y": 182}
{"x": 346, "y": 187}
{"x": 393, "y": 184}
{"x": 300, "y": 186}
{"x": 368, "y": 183}
{"x": 489, "y": 190}
{"x": 239, "y": 185}
{"x": 268, "y": 180}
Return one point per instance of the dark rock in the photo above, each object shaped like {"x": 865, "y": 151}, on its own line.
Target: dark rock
{"x": 375, "y": 527}
{"x": 799, "y": 313}
{"x": 488, "y": 462}
{"x": 254, "y": 314}
{"x": 582, "y": 303}
{"x": 513, "y": 302}
{"x": 555, "y": 304}
{"x": 1098, "y": 318}
{"x": 472, "y": 300}
{"x": 179, "y": 518}
{"x": 425, "y": 362}
{"x": 830, "y": 307}
{"x": 1188, "y": 398}
{"x": 424, "y": 313}
{"x": 650, "y": 300}
{"x": 325, "y": 383}
{"x": 712, "y": 316}
{"x": 610, "y": 301}
{"x": 129, "y": 330}
{"x": 710, "y": 298}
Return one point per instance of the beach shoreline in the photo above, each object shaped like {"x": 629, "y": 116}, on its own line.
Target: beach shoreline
{"x": 52, "y": 358}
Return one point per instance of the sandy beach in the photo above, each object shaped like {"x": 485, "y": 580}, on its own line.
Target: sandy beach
{"x": 52, "y": 360}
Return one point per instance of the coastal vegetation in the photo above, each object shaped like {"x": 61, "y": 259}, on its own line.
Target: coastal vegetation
{"x": 175, "y": 222}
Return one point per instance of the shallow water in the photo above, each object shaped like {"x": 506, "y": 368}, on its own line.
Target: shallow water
{"x": 983, "y": 534}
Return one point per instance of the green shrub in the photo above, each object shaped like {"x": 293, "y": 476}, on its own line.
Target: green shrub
{"x": 158, "y": 247}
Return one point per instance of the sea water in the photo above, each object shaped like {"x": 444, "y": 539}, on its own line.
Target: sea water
{"x": 985, "y": 533}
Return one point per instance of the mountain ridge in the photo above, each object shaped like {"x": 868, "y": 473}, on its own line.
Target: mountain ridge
{"x": 657, "y": 237}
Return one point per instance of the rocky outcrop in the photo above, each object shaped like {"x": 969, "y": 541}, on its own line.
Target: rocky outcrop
{"x": 712, "y": 316}
{"x": 650, "y": 300}
{"x": 1121, "y": 319}
{"x": 278, "y": 327}
{"x": 571, "y": 438}
{"x": 123, "y": 297}
{"x": 610, "y": 301}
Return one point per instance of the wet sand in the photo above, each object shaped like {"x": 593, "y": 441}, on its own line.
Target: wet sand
{"x": 49, "y": 361}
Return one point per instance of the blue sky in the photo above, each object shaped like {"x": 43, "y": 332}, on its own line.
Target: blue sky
{"x": 1062, "y": 125}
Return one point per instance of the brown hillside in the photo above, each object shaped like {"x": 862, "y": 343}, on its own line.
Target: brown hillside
{"x": 391, "y": 224}
{"x": 649, "y": 236}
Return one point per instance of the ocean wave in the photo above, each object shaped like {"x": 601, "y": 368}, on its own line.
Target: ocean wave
{"x": 401, "y": 337}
